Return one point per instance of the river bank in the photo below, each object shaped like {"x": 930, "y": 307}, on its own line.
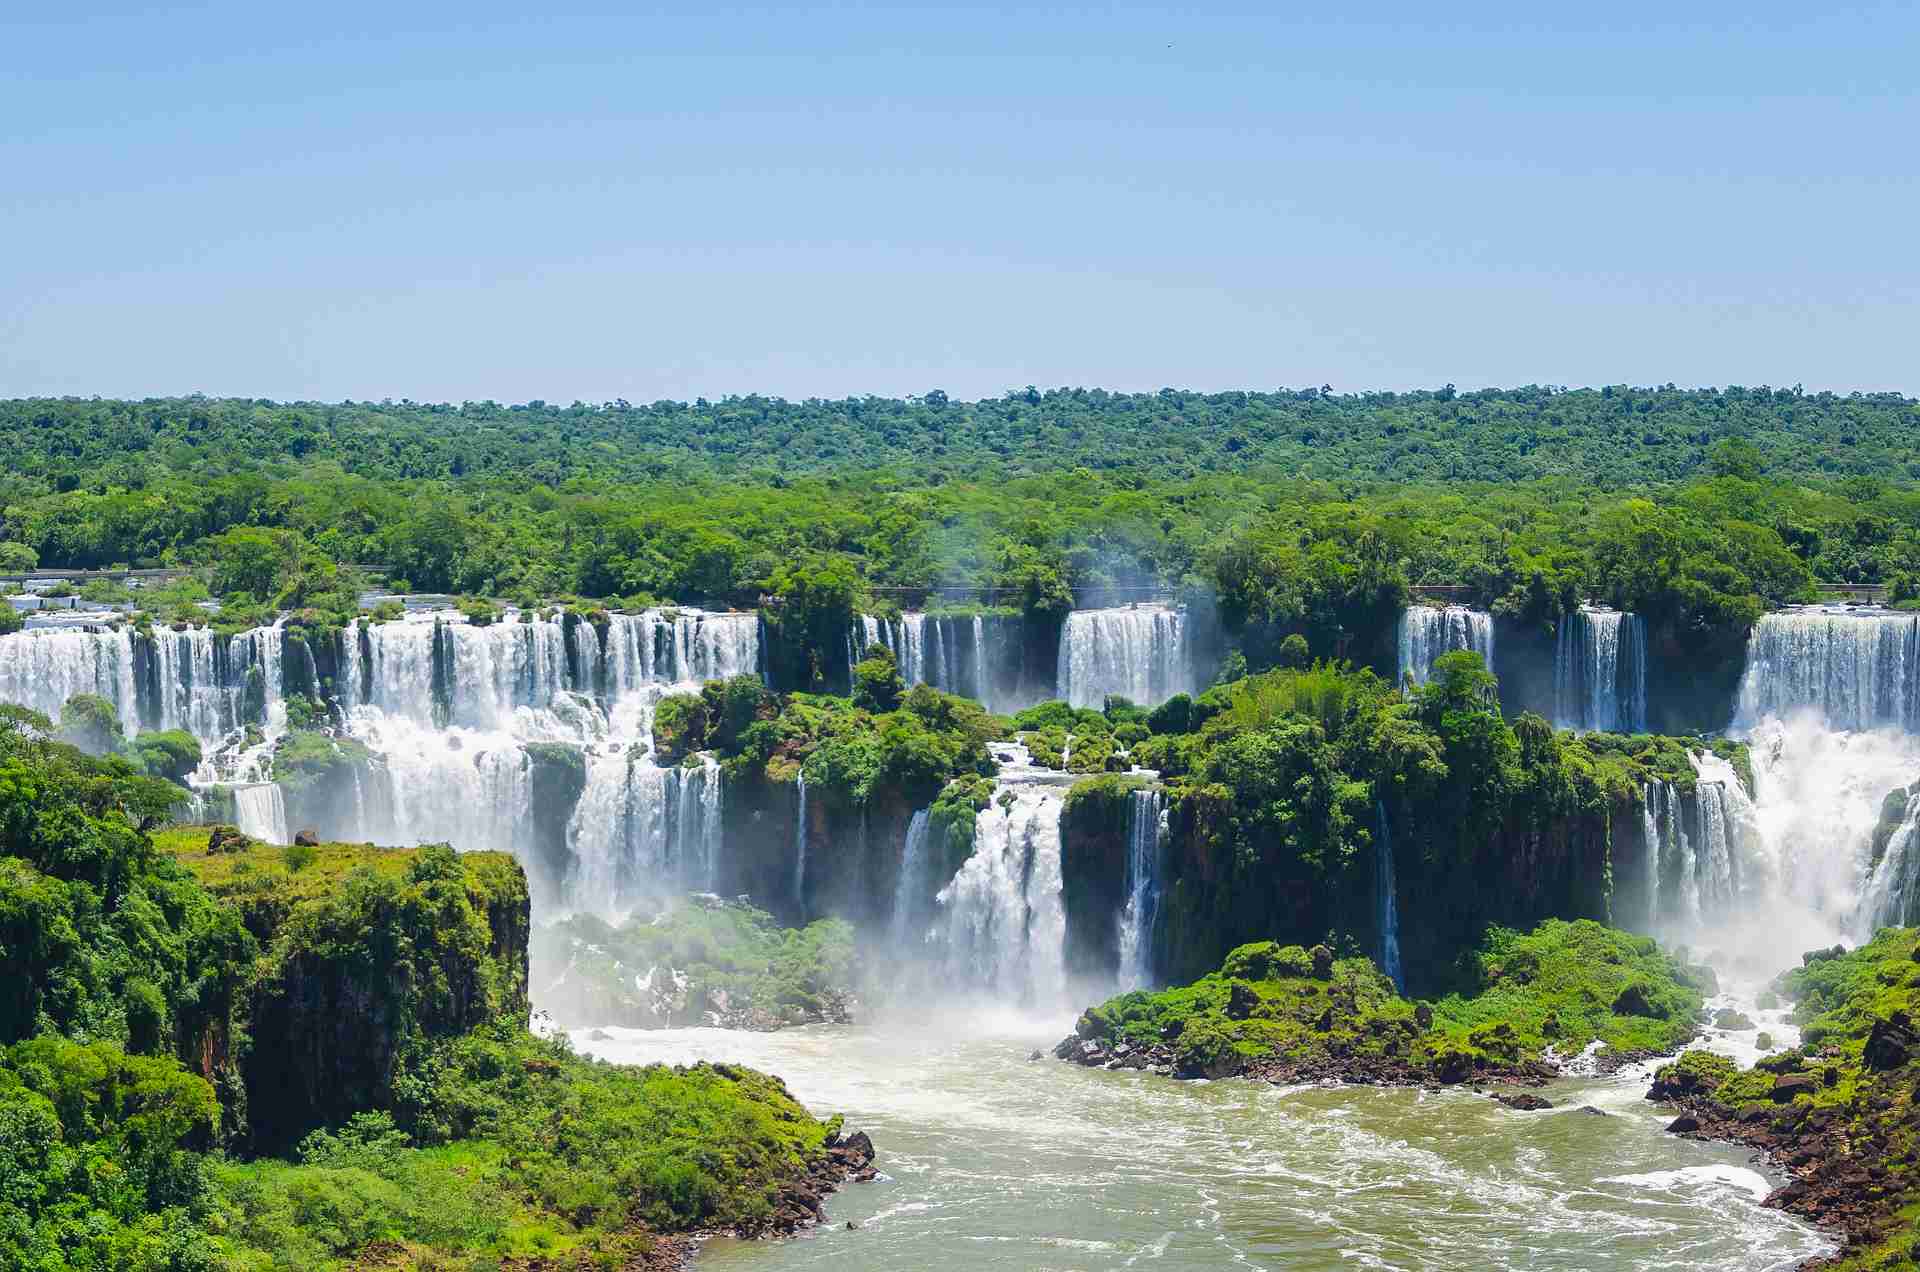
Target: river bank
{"x": 991, "y": 1161}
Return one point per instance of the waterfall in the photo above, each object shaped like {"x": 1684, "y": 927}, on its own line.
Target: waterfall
{"x": 447, "y": 708}
{"x": 982, "y": 678}
{"x": 1653, "y": 796}
{"x": 1893, "y": 889}
{"x": 641, "y": 833}
{"x": 908, "y": 911}
{"x": 261, "y": 810}
{"x": 1856, "y": 671}
{"x": 800, "y": 850}
{"x": 41, "y": 668}
{"x": 1427, "y": 631}
{"x": 1136, "y": 652}
{"x": 1146, "y": 831}
{"x": 1387, "y": 901}
{"x": 1600, "y": 672}
{"x": 1003, "y": 920}
{"x": 1725, "y": 815}
{"x": 190, "y": 692}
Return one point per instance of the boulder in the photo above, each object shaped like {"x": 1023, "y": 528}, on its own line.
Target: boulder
{"x": 1525, "y": 1101}
{"x": 1241, "y": 1001}
{"x": 1632, "y": 1001}
{"x": 1423, "y": 1016}
{"x": 1322, "y": 963}
{"x": 1788, "y": 1085}
{"x": 306, "y": 839}
{"x": 1728, "y": 1018}
{"x": 1683, "y": 1124}
{"x": 227, "y": 839}
{"x": 1892, "y": 1043}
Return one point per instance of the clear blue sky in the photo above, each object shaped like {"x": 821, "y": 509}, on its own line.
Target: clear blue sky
{"x": 450, "y": 202}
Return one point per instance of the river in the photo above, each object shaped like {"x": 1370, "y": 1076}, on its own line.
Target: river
{"x": 992, "y": 1161}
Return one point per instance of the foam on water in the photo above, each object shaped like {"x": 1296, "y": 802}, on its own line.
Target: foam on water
{"x": 993, "y": 1162}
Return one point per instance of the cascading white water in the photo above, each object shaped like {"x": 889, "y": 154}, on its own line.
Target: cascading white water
{"x": 800, "y": 848}
{"x": 1388, "y": 901}
{"x": 1002, "y": 917}
{"x": 909, "y": 912}
{"x": 1146, "y": 831}
{"x": 1790, "y": 869}
{"x": 1600, "y": 672}
{"x": 1893, "y": 889}
{"x": 261, "y": 811}
{"x": 1726, "y": 818}
{"x": 1830, "y": 703}
{"x": 1136, "y": 652}
{"x": 1855, "y": 670}
{"x": 1656, "y": 816}
{"x": 448, "y": 708}
{"x": 1428, "y": 631}
{"x": 41, "y": 669}
{"x": 190, "y": 692}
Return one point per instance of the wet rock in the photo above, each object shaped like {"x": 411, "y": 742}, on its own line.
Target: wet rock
{"x": 1590, "y": 1111}
{"x": 1525, "y": 1101}
{"x": 1322, "y": 963}
{"x": 1034, "y": 1054}
{"x": 1632, "y": 1001}
{"x": 1423, "y": 1016}
{"x": 306, "y": 839}
{"x": 1683, "y": 1124}
{"x": 1453, "y": 1067}
{"x": 1728, "y": 1018}
{"x": 1892, "y": 1043}
{"x": 1241, "y": 1001}
{"x": 1788, "y": 1085}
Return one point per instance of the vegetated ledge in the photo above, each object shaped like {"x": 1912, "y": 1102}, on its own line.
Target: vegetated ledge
{"x": 1840, "y": 1112}
{"x": 702, "y": 960}
{"x": 386, "y": 1016}
{"x": 1287, "y": 1014}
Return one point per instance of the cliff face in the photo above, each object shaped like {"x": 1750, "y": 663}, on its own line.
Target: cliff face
{"x": 853, "y": 851}
{"x": 1094, "y": 828}
{"x": 368, "y": 950}
{"x": 1527, "y": 870}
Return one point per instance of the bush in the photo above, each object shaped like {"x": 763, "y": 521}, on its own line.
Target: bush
{"x": 171, "y": 754}
{"x": 679, "y": 727}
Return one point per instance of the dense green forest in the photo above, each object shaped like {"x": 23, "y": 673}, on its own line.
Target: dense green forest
{"x": 1747, "y": 499}
{"x": 1609, "y": 437}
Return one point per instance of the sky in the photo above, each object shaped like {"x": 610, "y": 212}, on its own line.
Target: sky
{"x": 594, "y": 202}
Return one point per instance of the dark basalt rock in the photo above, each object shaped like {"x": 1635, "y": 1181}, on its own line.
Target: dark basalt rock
{"x": 1685, "y": 1124}
{"x": 1241, "y": 1001}
{"x": 1892, "y": 1043}
{"x": 1525, "y": 1101}
{"x": 1788, "y": 1085}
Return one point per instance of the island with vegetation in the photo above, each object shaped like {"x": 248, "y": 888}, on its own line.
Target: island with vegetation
{"x": 219, "y": 1054}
